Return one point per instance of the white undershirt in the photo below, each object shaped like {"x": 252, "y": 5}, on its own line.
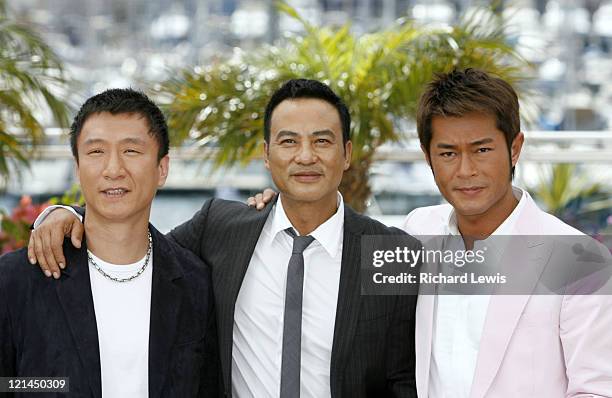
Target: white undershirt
{"x": 258, "y": 318}
{"x": 123, "y": 319}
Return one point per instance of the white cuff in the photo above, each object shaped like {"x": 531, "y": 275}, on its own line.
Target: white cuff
{"x": 41, "y": 217}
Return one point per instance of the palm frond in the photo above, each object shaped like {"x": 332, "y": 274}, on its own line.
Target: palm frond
{"x": 562, "y": 184}
{"x": 379, "y": 75}
{"x": 31, "y": 80}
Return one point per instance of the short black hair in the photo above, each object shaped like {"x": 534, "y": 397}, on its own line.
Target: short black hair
{"x": 119, "y": 101}
{"x": 306, "y": 88}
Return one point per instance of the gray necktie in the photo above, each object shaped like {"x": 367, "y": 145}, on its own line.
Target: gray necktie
{"x": 292, "y": 324}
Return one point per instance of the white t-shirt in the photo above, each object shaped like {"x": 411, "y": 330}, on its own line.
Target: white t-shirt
{"x": 122, "y": 316}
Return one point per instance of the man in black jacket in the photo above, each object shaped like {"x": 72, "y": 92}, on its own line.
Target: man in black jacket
{"x": 291, "y": 318}
{"x": 133, "y": 315}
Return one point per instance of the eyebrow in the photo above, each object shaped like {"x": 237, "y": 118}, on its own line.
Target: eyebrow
{"x": 286, "y": 133}
{"x": 325, "y": 132}
{"x": 473, "y": 143}
{"x": 318, "y": 133}
{"x": 128, "y": 140}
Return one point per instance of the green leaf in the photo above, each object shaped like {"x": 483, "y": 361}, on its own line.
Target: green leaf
{"x": 31, "y": 75}
{"x": 379, "y": 75}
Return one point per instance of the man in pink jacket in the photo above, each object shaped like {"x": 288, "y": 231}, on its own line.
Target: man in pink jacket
{"x": 521, "y": 345}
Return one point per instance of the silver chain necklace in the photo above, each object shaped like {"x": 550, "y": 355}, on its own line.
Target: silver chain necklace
{"x": 137, "y": 274}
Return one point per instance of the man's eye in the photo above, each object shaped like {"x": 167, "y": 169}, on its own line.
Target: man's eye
{"x": 131, "y": 151}
{"x": 94, "y": 151}
{"x": 288, "y": 141}
{"x": 447, "y": 154}
{"x": 483, "y": 150}
{"x": 322, "y": 141}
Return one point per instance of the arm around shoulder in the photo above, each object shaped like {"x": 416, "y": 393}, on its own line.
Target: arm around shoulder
{"x": 189, "y": 234}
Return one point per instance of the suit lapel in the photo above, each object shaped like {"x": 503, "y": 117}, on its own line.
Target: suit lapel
{"x": 228, "y": 280}
{"x": 531, "y": 254}
{"x": 166, "y": 297}
{"x": 74, "y": 292}
{"x": 528, "y": 251}
{"x": 349, "y": 297}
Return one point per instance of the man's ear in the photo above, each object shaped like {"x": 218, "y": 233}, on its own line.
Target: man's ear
{"x": 348, "y": 153}
{"x": 516, "y": 147}
{"x": 266, "y": 148}
{"x": 164, "y": 168}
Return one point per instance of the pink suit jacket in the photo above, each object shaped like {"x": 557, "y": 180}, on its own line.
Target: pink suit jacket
{"x": 545, "y": 346}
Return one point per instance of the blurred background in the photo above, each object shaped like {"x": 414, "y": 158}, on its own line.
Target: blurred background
{"x": 212, "y": 65}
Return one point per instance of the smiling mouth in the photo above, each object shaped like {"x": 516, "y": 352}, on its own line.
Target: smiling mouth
{"x": 115, "y": 192}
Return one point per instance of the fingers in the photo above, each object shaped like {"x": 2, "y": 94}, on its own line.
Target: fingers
{"x": 57, "y": 250}
{"x": 260, "y": 200}
{"x": 260, "y": 204}
{"x": 47, "y": 241}
{"x": 37, "y": 247}
{"x": 31, "y": 255}
{"x": 76, "y": 235}
{"x": 268, "y": 195}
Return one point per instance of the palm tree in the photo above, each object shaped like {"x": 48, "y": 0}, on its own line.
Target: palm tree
{"x": 563, "y": 184}
{"x": 379, "y": 75}
{"x": 31, "y": 76}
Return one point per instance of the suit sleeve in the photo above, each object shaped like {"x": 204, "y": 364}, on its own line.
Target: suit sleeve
{"x": 401, "y": 350}
{"x": 401, "y": 362}
{"x": 585, "y": 327}
{"x": 190, "y": 234}
{"x": 7, "y": 347}
{"x": 79, "y": 210}
{"x": 42, "y": 216}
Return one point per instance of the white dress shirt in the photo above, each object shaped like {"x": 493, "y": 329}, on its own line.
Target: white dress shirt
{"x": 259, "y": 311}
{"x": 458, "y": 324}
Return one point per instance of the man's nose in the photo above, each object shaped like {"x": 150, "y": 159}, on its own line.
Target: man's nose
{"x": 114, "y": 167}
{"x": 306, "y": 154}
{"x": 467, "y": 166}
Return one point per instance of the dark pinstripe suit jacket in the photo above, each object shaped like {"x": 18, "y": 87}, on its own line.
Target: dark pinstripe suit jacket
{"x": 373, "y": 347}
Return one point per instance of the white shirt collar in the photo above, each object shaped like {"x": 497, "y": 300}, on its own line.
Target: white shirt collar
{"x": 329, "y": 234}
{"x": 506, "y": 227}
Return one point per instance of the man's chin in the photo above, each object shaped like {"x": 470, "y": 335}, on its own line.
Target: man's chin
{"x": 112, "y": 213}
{"x": 470, "y": 211}
{"x": 115, "y": 217}
{"x": 304, "y": 195}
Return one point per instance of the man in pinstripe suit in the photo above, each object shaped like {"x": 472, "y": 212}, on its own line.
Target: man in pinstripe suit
{"x": 350, "y": 345}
